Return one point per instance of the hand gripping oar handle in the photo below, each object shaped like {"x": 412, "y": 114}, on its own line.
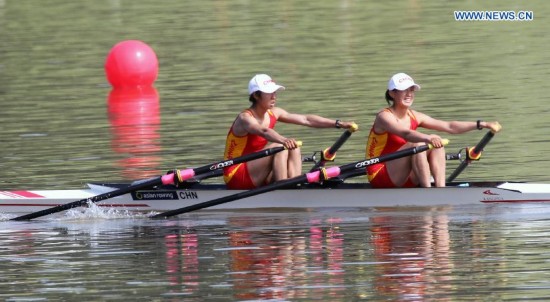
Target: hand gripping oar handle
{"x": 359, "y": 169}
{"x": 472, "y": 154}
{"x": 310, "y": 177}
{"x": 329, "y": 154}
{"x": 179, "y": 176}
{"x": 168, "y": 179}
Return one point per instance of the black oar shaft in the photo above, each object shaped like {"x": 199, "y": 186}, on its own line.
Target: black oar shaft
{"x": 385, "y": 158}
{"x": 343, "y": 138}
{"x": 358, "y": 169}
{"x": 330, "y": 152}
{"x": 305, "y": 178}
{"x": 100, "y": 197}
{"x": 477, "y": 149}
{"x": 237, "y": 160}
{"x": 156, "y": 181}
{"x": 241, "y": 195}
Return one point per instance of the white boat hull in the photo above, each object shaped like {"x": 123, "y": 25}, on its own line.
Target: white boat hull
{"x": 307, "y": 196}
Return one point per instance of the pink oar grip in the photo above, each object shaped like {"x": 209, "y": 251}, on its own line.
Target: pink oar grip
{"x": 333, "y": 172}
{"x": 186, "y": 174}
{"x": 314, "y": 176}
{"x": 168, "y": 179}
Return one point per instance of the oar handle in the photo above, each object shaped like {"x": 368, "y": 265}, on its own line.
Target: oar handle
{"x": 476, "y": 152}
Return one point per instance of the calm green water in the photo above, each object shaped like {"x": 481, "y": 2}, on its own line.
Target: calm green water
{"x": 62, "y": 127}
{"x": 425, "y": 254}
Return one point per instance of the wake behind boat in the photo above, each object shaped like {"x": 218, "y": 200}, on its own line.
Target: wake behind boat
{"x": 331, "y": 194}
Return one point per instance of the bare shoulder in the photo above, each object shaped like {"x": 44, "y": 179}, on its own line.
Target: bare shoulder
{"x": 243, "y": 116}
{"x": 278, "y": 111}
{"x": 419, "y": 115}
{"x": 243, "y": 123}
{"x": 383, "y": 120}
{"x": 384, "y": 115}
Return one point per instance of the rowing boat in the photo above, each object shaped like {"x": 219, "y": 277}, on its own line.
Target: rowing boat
{"x": 181, "y": 191}
{"x": 329, "y": 194}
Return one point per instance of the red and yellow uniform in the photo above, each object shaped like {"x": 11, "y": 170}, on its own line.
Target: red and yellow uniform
{"x": 383, "y": 143}
{"x": 237, "y": 177}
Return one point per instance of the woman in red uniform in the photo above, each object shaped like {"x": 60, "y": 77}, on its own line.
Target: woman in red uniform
{"x": 395, "y": 129}
{"x": 253, "y": 131}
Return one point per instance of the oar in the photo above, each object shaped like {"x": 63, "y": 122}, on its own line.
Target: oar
{"x": 310, "y": 177}
{"x": 175, "y": 177}
{"x": 329, "y": 154}
{"x": 472, "y": 154}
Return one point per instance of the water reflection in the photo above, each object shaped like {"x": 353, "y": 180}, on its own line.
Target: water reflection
{"x": 182, "y": 261}
{"x": 379, "y": 254}
{"x": 286, "y": 262}
{"x": 412, "y": 254}
{"x": 134, "y": 116}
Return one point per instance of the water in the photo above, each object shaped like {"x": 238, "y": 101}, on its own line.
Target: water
{"x": 424, "y": 254}
{"x": 62, "y": 126}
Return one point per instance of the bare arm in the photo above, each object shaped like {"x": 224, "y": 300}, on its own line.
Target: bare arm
{"x": 454, "y": 127}
{"x": 309, "y": 120}
{"x": 246, "y": 124}
{"x": 386, "y": 122}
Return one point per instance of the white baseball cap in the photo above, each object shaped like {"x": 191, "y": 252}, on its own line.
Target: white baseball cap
{"x": 402, "y": 81}
{"x": 263, "y": 83}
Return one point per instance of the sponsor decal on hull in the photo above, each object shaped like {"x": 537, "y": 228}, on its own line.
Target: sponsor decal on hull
{"x": 164, "y": 195}
{"x": 154, "y": 195}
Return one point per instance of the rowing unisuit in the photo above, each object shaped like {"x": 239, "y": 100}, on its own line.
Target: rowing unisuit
{"x": 383, "y": 143}
{"x": 236, "y": 177}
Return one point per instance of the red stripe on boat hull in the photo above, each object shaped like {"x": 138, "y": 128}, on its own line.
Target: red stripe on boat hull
{"x": 515, "y": 201}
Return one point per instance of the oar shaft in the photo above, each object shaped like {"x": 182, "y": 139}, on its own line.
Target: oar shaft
{"x": 477, "y": 149}
{"x": 386, "y": 157}
{"x": 484, "y": 141}
{"x": 183, "y": 175}
{"x": 143, "y": 185}
{"x": 357, "y": 169}
{"x": 241, "y": 195}
{"x": 330, "y": 153}
{"x": 167, "y": 179}
{"x": 343, "y": 138}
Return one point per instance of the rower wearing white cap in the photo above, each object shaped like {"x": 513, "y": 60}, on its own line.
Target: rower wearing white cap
{"x": 253, "y": 131}
{"x": 395, "y": 128}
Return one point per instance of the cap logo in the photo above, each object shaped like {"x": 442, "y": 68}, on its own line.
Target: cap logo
{"x": 405, "y": 79}
{"x": 268, "y": 81}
